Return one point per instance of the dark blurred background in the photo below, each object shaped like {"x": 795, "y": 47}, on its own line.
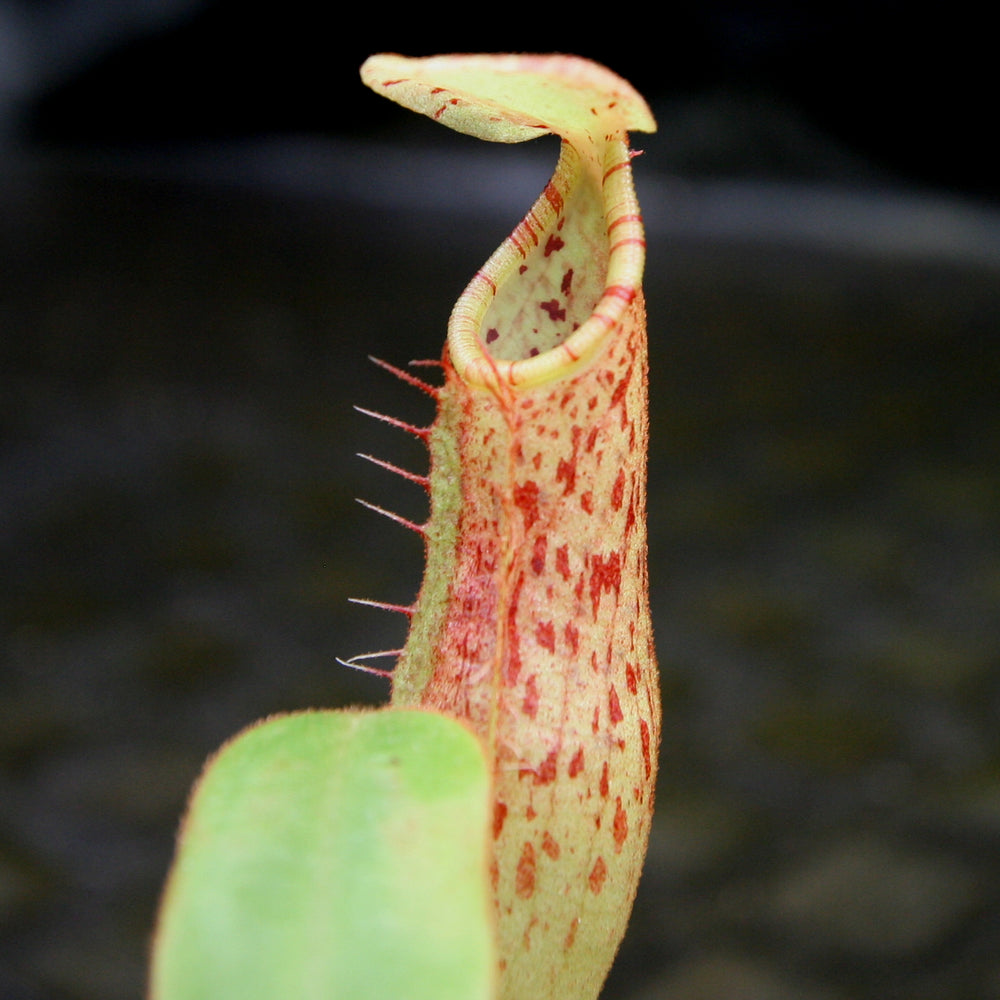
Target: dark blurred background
{"x": 206, "y": 226}
{"x": 908, "y": 91}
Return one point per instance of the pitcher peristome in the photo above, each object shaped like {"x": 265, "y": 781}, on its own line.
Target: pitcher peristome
{"x": 532, "y": 622}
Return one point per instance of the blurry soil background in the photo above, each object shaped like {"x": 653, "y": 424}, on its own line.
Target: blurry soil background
{"x": 183, "y": 339}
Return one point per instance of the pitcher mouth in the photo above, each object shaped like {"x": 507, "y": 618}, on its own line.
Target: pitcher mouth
{"x": 569, "y": 330}
{"x": 525, "y": 318}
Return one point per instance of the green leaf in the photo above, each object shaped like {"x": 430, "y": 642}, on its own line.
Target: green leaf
{"x": 333, "y": 855}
